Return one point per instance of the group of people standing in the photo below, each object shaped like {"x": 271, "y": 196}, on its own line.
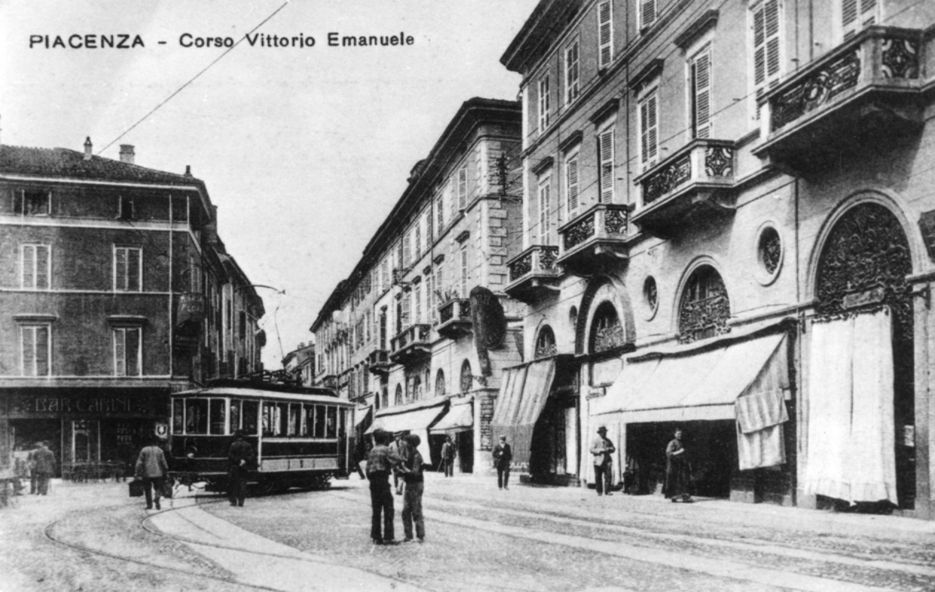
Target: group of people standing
{"x": 37, "y": 465}
{"x": 402, "y": 459}
{"x": 678, "y": 477}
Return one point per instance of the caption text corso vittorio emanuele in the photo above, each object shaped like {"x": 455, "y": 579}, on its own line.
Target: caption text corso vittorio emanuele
{"x": 82, "y": 41}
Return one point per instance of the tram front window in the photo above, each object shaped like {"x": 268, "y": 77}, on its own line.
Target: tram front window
{"x": 250, "y": 413}
{"x": 196, "y": 416}
{"x": 235, "y": 416}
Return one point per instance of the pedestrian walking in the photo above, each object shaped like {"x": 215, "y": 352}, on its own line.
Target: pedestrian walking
{"x": 448, "y": 457}
{"x": 44, "y": 468}
{"x": 241, "y": 459}
{"x": 151, "y": 468}
{"x": 381, "y": 461}
{"x": 678, "y": 471}
{"x": 415, "y": 485}
{"x": 502, "y": 456}
{"x": 602, "y": 449}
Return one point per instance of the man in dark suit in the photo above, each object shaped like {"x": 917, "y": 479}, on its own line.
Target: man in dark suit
{"x": 502, "y": 456}
{"x": 241, "y": 459}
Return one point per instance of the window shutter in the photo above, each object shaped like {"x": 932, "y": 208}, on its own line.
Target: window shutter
{"x": 544, "y": 212}
{"x": 42, "y": 350}
{"x": 29, "y": 266}
{"x": 571, "y": 172}
{"x": 42, "y": 266}
{"x": 856, "y": 14}
{"x": 647, "y": 12}
{"x": 605, "y": 34}
{"x": 571, "y": 73}
{"x": 606, "y": 149}
{"x": 701, "y": 82}
{"x": 648, "y": 129}
{"x": 543, "y": 103}
{"x": 120, "y": 352}
{"x": 133, "y": 350}
{"x": 462, "y": 187}
{"x": 133, "y": 269}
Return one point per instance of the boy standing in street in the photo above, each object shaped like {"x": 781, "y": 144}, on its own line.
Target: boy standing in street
{"x": 415, "y": 485}
{"x": 380, "y": 462}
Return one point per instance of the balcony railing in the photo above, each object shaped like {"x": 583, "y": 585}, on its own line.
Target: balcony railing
{"x": 378, "y": 361}
{"x": 865, "y": 89}
{"x": 411, "y": 344}
{"x": 533, "y": 273}
{"x": 595, "y": 240}
{"x": 454, "y": 318}
{"x": 695, "y": 178}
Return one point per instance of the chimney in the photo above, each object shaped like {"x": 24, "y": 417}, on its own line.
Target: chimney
{"x": 87, "y": 148}
{"x": 127, "y": 153}
{"x": 188, "y": 170}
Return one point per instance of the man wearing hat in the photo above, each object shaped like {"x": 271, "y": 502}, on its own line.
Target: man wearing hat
{"x": 240, "y": 460}
{"x": 601, "y": 449}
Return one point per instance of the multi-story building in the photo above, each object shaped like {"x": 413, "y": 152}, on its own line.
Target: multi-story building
{"x": 114, "y": 291}
{"x": 728, "y": 227}
{"x": 299, "y": 364}
{"x": 399, "y": 334}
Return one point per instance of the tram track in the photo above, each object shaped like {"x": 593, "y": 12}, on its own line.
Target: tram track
{"x": 49, "y": 534}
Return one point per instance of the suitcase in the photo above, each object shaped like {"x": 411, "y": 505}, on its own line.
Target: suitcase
{"x": 136, "y": 488}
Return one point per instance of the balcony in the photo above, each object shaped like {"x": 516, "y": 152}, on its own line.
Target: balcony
{"x": 454, "y": 318}
{"x": 695, "y": 180}
{"x": 595, "y": 241}
{"x": 862, "y": 95}
{"x": 412, "y": 345}
{"x": 533, "y": 273}
{"x": 378, "y": 362}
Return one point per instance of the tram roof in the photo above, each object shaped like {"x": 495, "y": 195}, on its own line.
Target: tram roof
{"x": 306, "y": 395}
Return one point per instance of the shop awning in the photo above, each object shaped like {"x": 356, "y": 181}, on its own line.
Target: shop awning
{"x": 523, "y": 394}
{"x": 362, "y": 415}
{"x": 689, "y": 383}
{"x": 415, "y": 418}
{"x": 459, "y": 418}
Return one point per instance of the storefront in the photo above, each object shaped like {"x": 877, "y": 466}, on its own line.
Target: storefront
{"x": 414, "y": 418}
{"x": 85, "y": 426}
{"x": 733, "y": 400}
{"x": 457, "y": 424}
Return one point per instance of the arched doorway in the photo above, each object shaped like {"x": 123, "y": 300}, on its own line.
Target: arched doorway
{"x": 866, "y": 259}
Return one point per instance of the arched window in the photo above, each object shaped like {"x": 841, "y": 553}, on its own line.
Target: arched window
{"x": 467, "y": 377}
{"x": 440, "y": 383}
{"x": 606, "y": 330}
{"x": 705, "y": 307}
{"x": 416, "y": 388}
{"x": 572, "y": 326}
{"x": 398, "y": 399}
{"x": 384, "y": 395}
{"x": 545, "y": 343}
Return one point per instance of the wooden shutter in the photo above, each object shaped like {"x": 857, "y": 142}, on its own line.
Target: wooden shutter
{"x": 571, "y": 183}
{"x": 648, "y": 129}
{"x": 606, "y": 149}
{"x": 544, "y": 213}
{"x": 543, "y": 103}
{"x": 701, "y": 93}
{"x": 29, "y": 266}
{"x": 605, "y": 34}
{"x": 571, "y": 73}
{"x": 462, "y": 187}
{"x": 857, "y": 14}
{"x": 647, "y": 12}
{"x": 42, "y": 266}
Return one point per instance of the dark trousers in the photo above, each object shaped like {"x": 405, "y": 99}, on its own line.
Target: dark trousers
{"x": 381, "y": 502}
{"x": 33, "y": 482}
{"x": 42, "y": 483}
{"x": 150, "y": 485}
{"x": 449, "y": 465}
{"x": 602, "y": 478}
{"x": 503, "y": 477}
{"x": 412, "y": 509}
{"x": 237, "y": 489}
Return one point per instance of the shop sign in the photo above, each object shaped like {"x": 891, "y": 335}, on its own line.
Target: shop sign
{"x": 24, "y": 405}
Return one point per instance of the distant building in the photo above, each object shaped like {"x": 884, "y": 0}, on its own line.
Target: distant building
{"x": 398, "y": 335}
{"x": 299, "y": 364}
{"x": 114, "y": 291}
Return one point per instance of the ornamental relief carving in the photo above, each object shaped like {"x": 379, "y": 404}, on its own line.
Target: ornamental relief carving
{"x": 816, "y": 89}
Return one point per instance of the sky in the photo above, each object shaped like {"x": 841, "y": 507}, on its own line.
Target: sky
{"x": 304, "y": 150}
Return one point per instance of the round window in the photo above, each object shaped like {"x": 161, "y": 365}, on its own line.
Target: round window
{"x": 650, "y": 296}
{"x": 769, "y": 254}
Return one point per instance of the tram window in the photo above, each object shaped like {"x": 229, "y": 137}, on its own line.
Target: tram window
{"x": 293, "y": 425}
{"x": 282, "y": 418}
{"x": 196, "y": 416}
{"x": 305, "y": 419}
{"x": 250, "y": 412}
{"x": 217, "y": 416}
{"x": 235, "y": 416}
{"x": 178, "y": 416}
{"x": 319, "y": 421}
{"x": 332, "y": 422}
{"x": 269, "y": 419}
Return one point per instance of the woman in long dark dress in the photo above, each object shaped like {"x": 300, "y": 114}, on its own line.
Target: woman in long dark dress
{"x": 678, "y": 470}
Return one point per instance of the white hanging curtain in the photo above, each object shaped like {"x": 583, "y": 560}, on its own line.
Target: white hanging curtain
{"x": 849, "y": 405}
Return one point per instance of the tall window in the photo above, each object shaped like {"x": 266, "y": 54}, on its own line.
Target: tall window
{"x": 605, "y": 148}
{"x": 35, "y": 263}
{"x": 127, "y": 269}
{"x": 467, "y": 376}
{"x": 407, "y": 250}
{"x": 127, "y": 346}
{"x": 417, "y": 239}
{"x": 440, "y": 211}
{"x": 462, "y": 187}
{"x": 545, "y": 208}
{"x": 417, "y": 304}
{"x": 705, "y": 308}
{"x": 571, "y": 182}
{"x": 649, "y": 129}
{"x": 647, "y": 13}
{"x": 35, "y": 350}
{"x": 125, "y": 207}
{"x": 544, "y": 103}
{"x": 605, "y": 34}
{"x": 857, "y": 14}
{"x": 463, "y": 256}
{"x": 699, "y": 74}
{"x": 571, "y": 72}
{"x": 767, "y": 46}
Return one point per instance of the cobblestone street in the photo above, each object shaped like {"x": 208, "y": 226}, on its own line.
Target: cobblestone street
{"x": 527, "y": 538}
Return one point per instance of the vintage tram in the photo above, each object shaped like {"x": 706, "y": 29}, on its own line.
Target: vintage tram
{"x": 300, "y": 435}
